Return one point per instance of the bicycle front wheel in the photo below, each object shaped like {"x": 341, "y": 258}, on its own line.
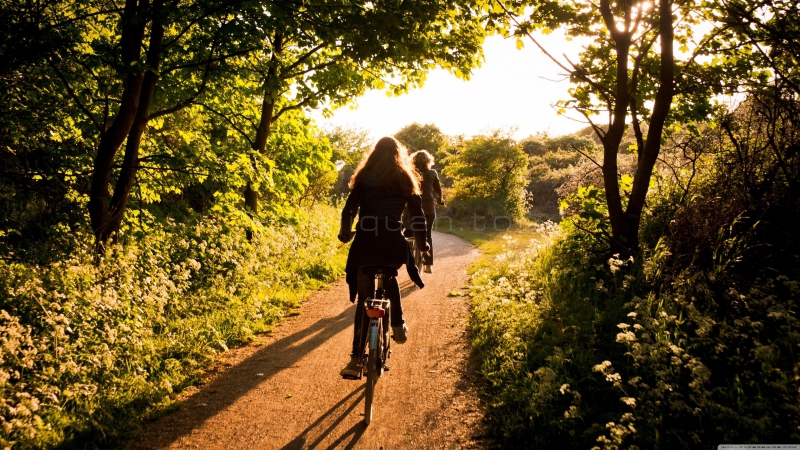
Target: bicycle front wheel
{"x": 372, "y": 375}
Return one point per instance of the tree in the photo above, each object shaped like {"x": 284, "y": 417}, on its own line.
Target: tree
{"x": 422, "y": 137}
{"x": 326, "y": 54}
{"x": 770, "y": 29}
{"x": 168, "y": 86}
{"x": 112, "y": 71}
{"x": 489, "y": 171}
{"x": 427, "y": 137}
{"x": 349, "y": 146}
{"x": 630, "y": 73}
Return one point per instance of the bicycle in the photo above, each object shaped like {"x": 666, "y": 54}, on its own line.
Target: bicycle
{"x": 377, "y": 348}
{"x": 417, "y": 253}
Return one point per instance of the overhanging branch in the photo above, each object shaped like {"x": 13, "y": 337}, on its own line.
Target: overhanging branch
{"x": 74, "y": 96}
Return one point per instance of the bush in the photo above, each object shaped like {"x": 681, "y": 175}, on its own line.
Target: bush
{"x": 551, "y": 161}
{"x": 489, "y": 177}
{"x": 537, "y": 319}
{"x": 582, "y": 352}
{"x": 88, "y": 350}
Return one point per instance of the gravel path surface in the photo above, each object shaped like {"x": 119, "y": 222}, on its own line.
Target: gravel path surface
{"x": 283, "y": 391}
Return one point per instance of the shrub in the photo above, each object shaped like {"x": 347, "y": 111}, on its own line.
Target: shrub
{"x": 551, "y": 161}
{"x": 489, "y": 177}
{"x": 537, "y": 317}
{"x": 580, "y": 351}
{"x": 691, "y": 345}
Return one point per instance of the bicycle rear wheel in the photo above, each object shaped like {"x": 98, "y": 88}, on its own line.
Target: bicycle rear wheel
{"x": 371, "y": 379}
{"x": 418, "y": 258}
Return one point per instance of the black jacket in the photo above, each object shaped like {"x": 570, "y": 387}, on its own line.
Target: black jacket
{"x": 379, "y": 239}
{"x": 431, "y": 189}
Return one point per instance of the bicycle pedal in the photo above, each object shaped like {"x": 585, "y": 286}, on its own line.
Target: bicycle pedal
{"x": 386, "y": 368}
{"x": 351, "y": 377}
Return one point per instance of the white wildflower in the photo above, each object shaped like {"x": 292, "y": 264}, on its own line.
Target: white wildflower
{"x": 627, "y": 336}
{"x": 614, "y": 378}
{"x": 602, "y": 366}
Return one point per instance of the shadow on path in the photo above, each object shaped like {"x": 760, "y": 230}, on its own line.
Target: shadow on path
{"x": 316, "y": 428}
{"x": 279, "y": 354}
{"x": 240, "y": 379}
{"x": 407, "y": 287}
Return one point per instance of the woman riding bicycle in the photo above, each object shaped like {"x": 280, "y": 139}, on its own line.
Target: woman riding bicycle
{"x": 431, "y": 190}
{"x": 382, "y": 185}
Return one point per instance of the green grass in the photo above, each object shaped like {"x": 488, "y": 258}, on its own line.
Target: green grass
{"x": 492, "y": 242}
{"x": 488, "y": 239}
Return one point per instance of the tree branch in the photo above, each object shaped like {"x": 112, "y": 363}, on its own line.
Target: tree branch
{"x": 303, "y": 72}
{"x": 196, "y": 20}
{"x": 305, "y": 57}
{"x": 209, "y": 61}
{"x": 289, "y": 108}
{"x": 74, "y": 96}
{"x": 227, "y": 119}
{"x": 586, "y": 155}
{"x": 552, "y": 58}
{"x": 200, "y": 89}
{"x": 597, "y": 130}
{"x": 85, "y": 16}
{"x": 166, "y": 169}
{"x": 637, "y": 130}
{"x": 182, "y": 104}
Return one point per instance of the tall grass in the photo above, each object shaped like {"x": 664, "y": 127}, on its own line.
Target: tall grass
{"x": 88, "y": 351}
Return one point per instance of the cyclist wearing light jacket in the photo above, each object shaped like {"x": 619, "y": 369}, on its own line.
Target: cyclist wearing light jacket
{"x": 382, "y": 185}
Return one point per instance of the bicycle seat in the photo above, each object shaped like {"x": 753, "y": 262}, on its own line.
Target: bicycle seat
{"x": 375, "y": 270}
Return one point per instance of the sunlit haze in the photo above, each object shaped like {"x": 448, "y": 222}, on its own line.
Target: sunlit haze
{"x": 513, "y": 89}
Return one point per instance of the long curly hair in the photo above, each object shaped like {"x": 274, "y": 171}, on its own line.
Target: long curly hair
{"x": 423, "y": 160}
{"x": 389, "y": 163}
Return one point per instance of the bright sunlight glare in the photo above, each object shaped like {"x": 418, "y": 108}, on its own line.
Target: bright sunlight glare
{"x": 513, "y": 90}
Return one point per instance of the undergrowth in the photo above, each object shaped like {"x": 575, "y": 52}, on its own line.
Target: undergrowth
{"x": 89, "y": 351}
{"x": 581, "y": 350}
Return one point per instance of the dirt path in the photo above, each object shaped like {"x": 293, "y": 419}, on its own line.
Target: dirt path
{"x": 284, "y": 390}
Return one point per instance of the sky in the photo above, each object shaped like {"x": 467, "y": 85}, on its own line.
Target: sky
{"x": 513, "y": 90}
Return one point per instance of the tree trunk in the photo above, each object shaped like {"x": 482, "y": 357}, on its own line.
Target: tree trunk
{"x": 130, "y": 161}
{"x": 265, "y": 122}
{"x": 267, "y": 109}
{"x": 661, "y": 107}
{"x": 251, "y": 199}
{"x": 616, "y": 130}
{"x": 133, "y": 27}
